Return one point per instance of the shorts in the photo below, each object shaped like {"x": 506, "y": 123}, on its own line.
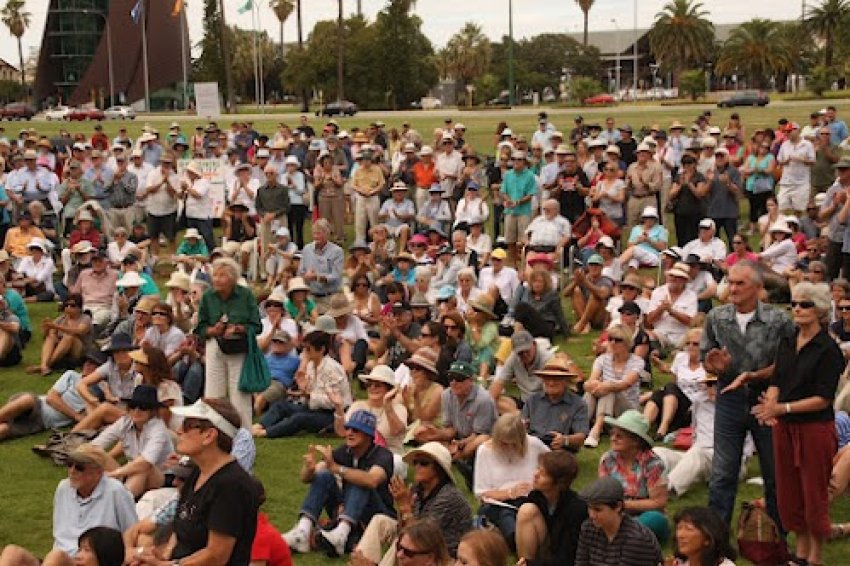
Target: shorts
{"x": 682, "y": 417}
{"x": 13, "y": 358}
{"x": 233, "y": 247}
{"x": 275, "y": 392}
{"x": 162, "y": 225}
{"x": 28, "y": 423}
{"x": 793, "y": 197}
{"x": 395, "y": 231}
{"x": 516, "y": 228}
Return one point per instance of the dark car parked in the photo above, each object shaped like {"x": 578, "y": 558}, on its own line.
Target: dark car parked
{"x": 17, "y": 111}
{"x": 745, "y": 98}
{"x": 85, "y": 114}
{"x": 338, "y": 108}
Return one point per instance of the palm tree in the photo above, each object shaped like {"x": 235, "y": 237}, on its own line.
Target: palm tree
{"x": 758, "y": 49}
{"x": 682, "y": 35}
{"x": 282, "y": 9}
{"x": 824, "y": 21}
{"x": 17, "y": 19}
{"x": 468, "y": 54}
{"x": 585, "y": 6}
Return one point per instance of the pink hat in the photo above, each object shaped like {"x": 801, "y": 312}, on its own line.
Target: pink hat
{"x": 419, "y": 239}
{"x": 538, "y": 257}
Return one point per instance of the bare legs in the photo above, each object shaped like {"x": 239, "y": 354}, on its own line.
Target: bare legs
{"x": 530, "y": 531}
{"x": 13, "y": 409}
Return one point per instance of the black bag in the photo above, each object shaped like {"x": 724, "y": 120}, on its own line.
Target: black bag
{"x": 234, "y": 345}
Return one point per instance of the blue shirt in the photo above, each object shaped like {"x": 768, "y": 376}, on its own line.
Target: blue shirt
{"x": 842, "y": 428}
{"x": 326, "y": 262}
{"x": 517, "y": 185}
{"x": 837, "y": 131}
{"x": 283, "y": 367}
{"x": 66, "y": 387}
{"x": 17, "y": 306}
{"x": 656, "y": 233}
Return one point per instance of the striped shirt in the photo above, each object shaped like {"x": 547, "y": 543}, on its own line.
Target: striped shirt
{"x": 633, "y": 545}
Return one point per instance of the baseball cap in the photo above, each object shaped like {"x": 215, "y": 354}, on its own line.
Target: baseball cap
{"x": 521, "y": 341}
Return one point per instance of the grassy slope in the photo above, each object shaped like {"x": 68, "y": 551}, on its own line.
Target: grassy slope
{"x": 27, "y": 482}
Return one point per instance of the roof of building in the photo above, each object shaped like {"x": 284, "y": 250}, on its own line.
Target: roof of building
{"x": 4, "y": 63}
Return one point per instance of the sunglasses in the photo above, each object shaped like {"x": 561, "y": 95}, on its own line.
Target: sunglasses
{"x": 422, "y": 462}
{"x": 844, "y": 308}
{"x": 616, "y": 339}
{"x": 271, "y": 304}
{"x": 409, "y": 552}
{"x": 77, "y": 466}
{"x": 195, "y": 425}
{"x": 456, "y": 377}
{"x": 158, "y": 313}
{"x": 425, "y": 334}
{"x": 691, "y": 343}
{"x": 803, "y": 304}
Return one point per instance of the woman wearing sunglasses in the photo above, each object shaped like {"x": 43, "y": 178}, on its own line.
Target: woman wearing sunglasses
{"x": 65, "y": 338}
{"x": 432, "y": 502}
{"x": 798, "y": 405}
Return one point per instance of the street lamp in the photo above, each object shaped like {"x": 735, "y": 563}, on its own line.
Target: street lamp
{"x": 510, "y": 52}
{"x": 635, "y": 55}
{"x": 653, "y": 67}
{"x": 708, "y": 77}
{"x": 619, "y": 48}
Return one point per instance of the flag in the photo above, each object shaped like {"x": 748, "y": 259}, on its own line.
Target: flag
{"x": 137, "y": 11}
{"x": 178, "y": 7}
{"x": 247, "y": 7}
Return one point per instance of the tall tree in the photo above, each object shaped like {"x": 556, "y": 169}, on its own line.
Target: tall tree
{"x": 682, "y": 36}
{"x": 305, "y": 104}
{"x": 585, "y": 6}
{"x": 17, "y": 19}
{"x": 208, "y": 67}
{"x": 468, "y": 54}
{"x": 757, "y": 49}
{"x": 825, "y": 21}
{"x": 228, "y": 69}
{"x": 282, "y": 10}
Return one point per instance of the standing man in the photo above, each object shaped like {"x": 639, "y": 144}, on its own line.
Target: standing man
{"x": 160, "y": 199}
{"x": 725, "y": 190}
{"x": 198, "y": 205}
{"x": 519, "y": 187}
{"x": 321, "y": 265}
{"x": 837, "y": 128}
{"x": 739, "y": 346}
{"x": 272, "y": 206}
{"x": 367, "y": 182}
{"x": 829, "y": 212}
{"x": 827, "y": 154}
{"x": 796, "y": 156}
{"x": 121, "y": 195}
{"x": 643, "y": 183}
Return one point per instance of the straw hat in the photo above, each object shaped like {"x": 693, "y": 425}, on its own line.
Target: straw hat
{"x": 179, "y": 280}
{"x": 339, "y": 306}
{"x": 437, "y": 452}
{"x": 381, "y": 373}
{"x": 424, "y": 358}
{"x": 484, "y": 303}
{"x": 297, "y": 284}
{"x": 559, "y": 366}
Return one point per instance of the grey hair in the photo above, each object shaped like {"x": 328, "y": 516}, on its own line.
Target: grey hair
{"x": 467, "y": 271}
{"x": 323, "y": 225}
{"x": 202, "y": 283}
{"x": 756, "y": 270}
{"x": 270, "y": 168}
{"x": 818, "y": 294}
{"x": 424, "y": 272}
{"x": 230, "y": 265}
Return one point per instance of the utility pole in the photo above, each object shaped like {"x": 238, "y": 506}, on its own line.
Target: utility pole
{"x": 340, "y": 55}
{"x": 510, "y": 52}
{"x": 225, "y": 54}
{"x": 305, "y": 104}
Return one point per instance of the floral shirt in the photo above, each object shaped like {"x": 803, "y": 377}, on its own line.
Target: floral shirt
{"x": 646, "y": 471}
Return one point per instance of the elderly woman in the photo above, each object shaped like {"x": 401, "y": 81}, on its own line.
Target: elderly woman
{"x": 614, "y": 385}
{"x": 36, "y": 271}
{"x": 142, "y": 438}
{"x": 466, "y": 289}
{"x": 537, "y": 306}
{"x": 673, "y": 401}
{"x": 66, "y": 338}
{"x": 798, "y": 405}
{"x": 548, "y": 525}
{"x": 299, "y": 305}
{"x": 328, "y": 183}
{"x": 423, "y": 396}
{"x": 482, "y": 334}
{"x": 228, "y": 317}
{"x": 702, "y": 539}
{"x": 632, "y": 462}
{"x": 216, "y": 515}
{"x": 504, "y": 472}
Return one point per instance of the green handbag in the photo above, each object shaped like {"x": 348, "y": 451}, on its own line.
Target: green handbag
{"x": 255, "y": 376}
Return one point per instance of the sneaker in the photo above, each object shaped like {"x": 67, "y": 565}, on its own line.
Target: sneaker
{"x": 298, "y": 540}
{"x": 591, "y": 442}
{"x": 333, "y": 542}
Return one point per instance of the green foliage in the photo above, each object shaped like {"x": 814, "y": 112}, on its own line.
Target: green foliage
{"x": 819, "y": 80}
{"x": 825, "y": 21}
{"x": 466, "y": 55}
{"x": 487, "y": 88}
{"x": 682, "y": 35}
{"x": 584, "y": 87}
{"x": 209, "y": 66}
{"x": 757, "y": 49}
{"x": 11, "y": 91}
{"x": 692, "y": 83}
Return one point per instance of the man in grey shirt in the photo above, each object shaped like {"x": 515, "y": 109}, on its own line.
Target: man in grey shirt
{"x": 725, "y": 188}
{"x": 835, "y": 197}
{"x": 527, "y": 356}
{"x": 321, "y": 265}
{"x": 556, "y": 415}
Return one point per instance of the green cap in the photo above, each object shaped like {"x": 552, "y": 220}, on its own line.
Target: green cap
{"x": 463, "y": 369}
{"x": 843, "y": 163}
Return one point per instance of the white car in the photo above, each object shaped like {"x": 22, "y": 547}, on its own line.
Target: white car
{"x": 57, "y": 113}
{"x": 119, "y": 113}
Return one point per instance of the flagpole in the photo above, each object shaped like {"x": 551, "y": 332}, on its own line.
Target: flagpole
{"x": 256, "y": 66}
{"x": 260, "y": 61}
{"x": 145, "y": 56}
{"x": 183, "y": 24}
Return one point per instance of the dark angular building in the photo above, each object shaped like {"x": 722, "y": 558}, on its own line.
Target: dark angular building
{"x": 73, "y": 65}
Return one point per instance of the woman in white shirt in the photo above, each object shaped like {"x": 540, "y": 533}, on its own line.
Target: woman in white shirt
{"x": 118, "y": 248}
{"x": 163, "y": 334}
{"x": 672, "y": 403}
{"x": 610, "y": 193}
{"x": 471, "y": 207}
{"x": 504, "y": 472}
{"x": 244, "y": 188}
{"x": 37, "y": 269}
{"x": 778, "y": 258}
{"x": 479, "y": 241}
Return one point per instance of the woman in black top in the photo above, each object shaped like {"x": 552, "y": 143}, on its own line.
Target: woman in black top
{"x": 548, "y": 526}
{"x": 798, "y": 405}
{"x": 217, "y": 512}
{"x": 689, "y": 200}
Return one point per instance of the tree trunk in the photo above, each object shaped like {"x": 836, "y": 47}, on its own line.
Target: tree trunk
{"x": 21, "y": 57}
{"x": 340, "y": 54}
{"x": 228, "y": 71}
{"x": 828, "y": 47}
{"x": 305, "y": 105}
{"x": 585, "y": 28}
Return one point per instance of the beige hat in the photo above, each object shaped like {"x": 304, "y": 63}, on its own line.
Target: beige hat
{"x": 4, "y": 255}
{"x": 30, "y": 154}
{"x": 677, "y": 125}
{"x": 437, "y": 452}
{"x": 146, "y": 304}
{"x": 382, "y": 373}
{"x": 192, "y": 233}
{"x": 339, "y": 306}
{"x": 82, "y": 247}
{"x": 297, "y": 284}
{"x": 179, "y": 280}
{"x": 645, "y": 147}
{"x": 277, "y": 296}
{"x": 483, "y": 304}
{"x": 130, "y": 279}
{"x": 85, "y": 215}
{"x": 424, "y": 358}
{"x": 679, "y": 269}
{"x": 90, "y": 454}
{"x": 708, "y": 142}
{"x": 612, "y": 149}
{"x": 426, "y": 150}
{"x": 781, "y": 225}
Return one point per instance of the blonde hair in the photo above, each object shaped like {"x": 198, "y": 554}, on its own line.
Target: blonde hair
{"x": 620, "y": 331}
{"x": 541, "y": 273}
{"x": 509, "y": 435}
{"x": 693, "y": 333}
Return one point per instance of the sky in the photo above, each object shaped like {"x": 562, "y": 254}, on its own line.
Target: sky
{"x": 442, "y": 18}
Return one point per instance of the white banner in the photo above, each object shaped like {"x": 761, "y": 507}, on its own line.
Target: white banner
{"x": 213, "y": 171}
{"x": 207, "y": 102}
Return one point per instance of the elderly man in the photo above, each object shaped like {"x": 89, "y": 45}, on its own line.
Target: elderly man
{"x": 97, "y": 286}
{"x": 589, "y": 292}
{"x": 646, "y": 241}
{"x": 739, "y": 345}
{"x": 449, "y": 163}
{"x": 18, "y": 238}
{"x": 73, "y": 192}
{"x": 796, "y": 156}
{"x": 159, "y": 197}
{"x": 643, "y": 182}
{"x": 527, "y": 356}
{"x": 87, "y": 498}
{"x": 100, "y": 176}
{"x": 198, "y": 203}
{"x": 556, "y": 414}
{"x": 32, "y": 183}
{"x": 672, "y": 308}
{"x": 829, "y": 212}
{"x": 321, "y": 265}
{"x": 707, "y": 244}
{"x": 367, "y": 181}
{"x": 550, "y": 230}
{"x": 272, "y": 205}
{"x": 725, "y": 190}
{"x": 121, "y": 194}
{"x": 499, "y": 275}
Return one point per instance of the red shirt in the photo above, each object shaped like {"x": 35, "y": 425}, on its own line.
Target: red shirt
{"x": 92, "y": 236}
{"x": 425, "y": 176}
{"x": 100, "y": 141}
{"x": 269, "y": 546}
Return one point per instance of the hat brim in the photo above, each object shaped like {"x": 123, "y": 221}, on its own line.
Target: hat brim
{"x": 445, "y": 466}
{"x": 296, "y": 289}
{"x": 361, "y": 428}
{"x": 122, "y": 348}
{"x": 411, "y": 363}
{"x": 341, "y": 311}
{"x": 480, "y": 307}
{"x": 611, "y": 421}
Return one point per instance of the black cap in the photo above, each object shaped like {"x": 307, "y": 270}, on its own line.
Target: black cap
{"x": 96, "y": 356}
{"x": 129, "y": 258}
{"x": 692, "y": 259}
{"x": 605, "y": 490}
{"x": 630, "y": 307}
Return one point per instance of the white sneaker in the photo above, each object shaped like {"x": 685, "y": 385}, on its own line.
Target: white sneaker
{"x": 335, "y": 541}
{"x": 591, "y": 442}
{"x": 298, "y": 540}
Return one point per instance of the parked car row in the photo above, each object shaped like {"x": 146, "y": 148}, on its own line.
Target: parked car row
{"x": 17, "y": 111}
{"x": 88, "y": 114}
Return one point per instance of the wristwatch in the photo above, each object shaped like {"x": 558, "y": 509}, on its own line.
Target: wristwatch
{"x": 342, "y": 470}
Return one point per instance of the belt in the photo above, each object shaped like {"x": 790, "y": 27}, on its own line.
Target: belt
{"x": 321, "y": 295}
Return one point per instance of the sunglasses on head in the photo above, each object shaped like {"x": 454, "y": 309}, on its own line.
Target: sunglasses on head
{"x": 803, "y": 304}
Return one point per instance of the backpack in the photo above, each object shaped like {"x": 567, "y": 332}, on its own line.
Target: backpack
{"x": 759, "y": 539}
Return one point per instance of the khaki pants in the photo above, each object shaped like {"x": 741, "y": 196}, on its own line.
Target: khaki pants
{"x": 515, "y": 228}
{"x": 365, "y": 210}
{"x": 100, "y": 314}
{"x": 635, "y": 207}
{"x": 381, "y": 532}
{"x": 223, "y": 380}
{"x": 611, "y": 405}
{"x": 267, "y": 230}
{"x": 333, "y": 209}
{"x": 421, "y": 197}
{"x": 124, "y": 217}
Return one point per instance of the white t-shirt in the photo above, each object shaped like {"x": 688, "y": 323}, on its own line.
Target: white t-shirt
{"x": 199, "y": 207}
{"x": 506, "y": 280}
{"x": 714, "y": 248}
{"x": 493, "y": 471}
{"x": 796, "y": 173}
{"x": 162, "y": 202}
{"x": 780, "y": 255}
{"x": 744, "y": 319}
{"x": 168, "y": 342}
{"x": 686, "y": 378}
{"x": 666, "y": 326}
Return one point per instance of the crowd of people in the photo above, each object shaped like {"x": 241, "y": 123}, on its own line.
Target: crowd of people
{"x": 432, "y": 342}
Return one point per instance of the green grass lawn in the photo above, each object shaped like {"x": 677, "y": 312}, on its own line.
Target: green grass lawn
{"x": 27, "y": 482}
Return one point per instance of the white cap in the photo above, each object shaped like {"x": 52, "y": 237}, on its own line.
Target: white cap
{"x": 613, "y": 149}
{"x": 130, "y": 279}
{"x": 263, "y": 152}
{"x": 200, "y": 410}
{"x": 507, "y": 132}
{"x": 282, "y": 231}
{"x": 707, "y": 223}
{"x": 38, "y": 243}
{"x": 292, "y": 160}
{"x": 650, "y": 212}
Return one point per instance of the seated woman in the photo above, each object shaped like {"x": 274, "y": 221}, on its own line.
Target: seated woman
{"x": 504, "y": 472}
{"x": 548, "y": 525}
{"x": 482, "y": 335}
{"x": 673, "y": 401}
{"x": 702, "y": 537}
{"x": 537, "y": 306}
{"x": 142, "y": 438}
{"x": 456, "y": 348}
{"x": 36, "y": 271}
{"x": 299, "y": 305}
{"x": 162, "y": 334}
{"x": 466, "y": 289}
{"x": 613, "y": 386}
{"x": 632, "y": 462}
{"x": 423, "y": 395}
{"x": 66, "y": 338}
{"x": 320, "y": 384}
{"x": 153, "y": 369}
{"x": 120, "y": 247}
{"x": 433, "y": 498}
